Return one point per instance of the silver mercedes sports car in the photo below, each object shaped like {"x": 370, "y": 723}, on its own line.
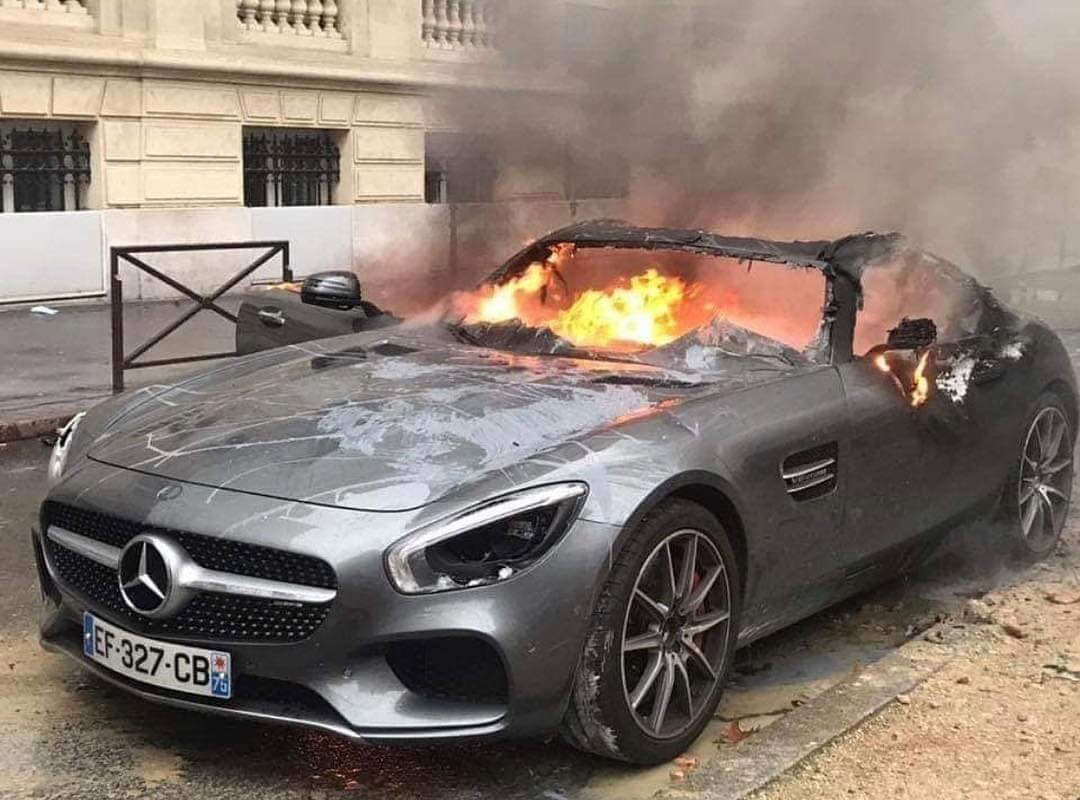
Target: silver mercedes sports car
{"x": 557, "y": 502}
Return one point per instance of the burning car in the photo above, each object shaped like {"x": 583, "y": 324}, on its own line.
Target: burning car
{"x": 560, "y": 501}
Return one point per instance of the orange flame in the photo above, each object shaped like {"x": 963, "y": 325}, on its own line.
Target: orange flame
{"x": 285, "y": 286}
{"x": 920, "y": 384}
{"x": 625, "y": 315}
{"x": 523, "y": 297}
{"x": 649, "y": 309}
{"x": 504, "y": 301}
{"x": 918, "y": 392}
{"x": 642, "y": 313}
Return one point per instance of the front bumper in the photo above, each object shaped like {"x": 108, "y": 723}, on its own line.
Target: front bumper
{"x": 349, "y": 676}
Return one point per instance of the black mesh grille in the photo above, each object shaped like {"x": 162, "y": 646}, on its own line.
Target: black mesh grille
{"x": 209, "y": 616}
{"x": 223, "y": 555}
{"x": 451, "y": 668}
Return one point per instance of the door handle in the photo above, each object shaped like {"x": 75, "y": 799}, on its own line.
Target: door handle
{"x": 272, "y": 317}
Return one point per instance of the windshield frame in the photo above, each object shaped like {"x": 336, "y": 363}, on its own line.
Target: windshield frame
{"x": 819, "y": 351}
{"x": 842, "y": 261}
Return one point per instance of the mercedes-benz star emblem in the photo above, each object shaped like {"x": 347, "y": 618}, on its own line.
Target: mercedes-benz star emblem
{"x": 148, "y": 569}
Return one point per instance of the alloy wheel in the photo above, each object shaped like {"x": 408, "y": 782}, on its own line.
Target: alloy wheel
{"x": 675, "y": 634}
{"x": 1046, "y": 472}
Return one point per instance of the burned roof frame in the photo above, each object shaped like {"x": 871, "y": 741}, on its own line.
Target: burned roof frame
{"x": 848, "y": 256}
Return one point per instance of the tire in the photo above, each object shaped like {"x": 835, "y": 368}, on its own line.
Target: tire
{"x": 650, "y": 622}
{"x": 1038, "y": 489}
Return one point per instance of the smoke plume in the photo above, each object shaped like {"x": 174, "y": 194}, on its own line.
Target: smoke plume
{"x": 950, "y": 121}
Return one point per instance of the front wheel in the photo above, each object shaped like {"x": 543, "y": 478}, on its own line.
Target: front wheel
{"x": 661, "y": 642}
{"x": 1039, "y": 489}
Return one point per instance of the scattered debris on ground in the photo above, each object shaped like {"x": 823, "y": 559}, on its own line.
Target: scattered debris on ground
{"x": 1001, "y": 720}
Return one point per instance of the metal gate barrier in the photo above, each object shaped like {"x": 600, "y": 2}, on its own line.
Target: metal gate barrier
{"x": 122, "y": 361}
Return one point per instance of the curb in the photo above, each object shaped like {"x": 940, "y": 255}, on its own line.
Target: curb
{"x": 762, "y": 758}
{"x": 15, "y": 430}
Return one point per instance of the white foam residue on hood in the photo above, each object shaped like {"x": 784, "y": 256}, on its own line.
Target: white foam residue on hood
{"x": 399, "y": 369}
{"x": 520, "y": 430}
{"x": 434, "y": 444}
{"x": 348, "y": 423}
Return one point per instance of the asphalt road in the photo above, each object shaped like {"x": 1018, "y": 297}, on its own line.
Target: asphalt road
{"x": 64, "y": 734}
{"x": 64, "y": 361}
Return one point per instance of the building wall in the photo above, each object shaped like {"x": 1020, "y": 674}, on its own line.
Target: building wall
{"x": 163, "y": 90}
{"x": 170, "y": 143}
{"x": 405, "y": 253}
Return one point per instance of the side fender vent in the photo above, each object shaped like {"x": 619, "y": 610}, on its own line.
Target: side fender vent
{"x": 810, "y": 474}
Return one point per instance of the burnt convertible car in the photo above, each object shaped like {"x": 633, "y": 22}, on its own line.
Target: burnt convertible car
{"x": 562, "y": 502}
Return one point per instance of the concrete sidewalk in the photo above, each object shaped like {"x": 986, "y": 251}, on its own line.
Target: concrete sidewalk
{"x": 53, "y": 366}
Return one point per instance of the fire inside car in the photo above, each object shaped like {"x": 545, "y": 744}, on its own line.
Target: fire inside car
{"x": 649, "y": 304}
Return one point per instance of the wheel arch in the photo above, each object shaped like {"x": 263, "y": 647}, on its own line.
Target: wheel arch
{"x": 712, "y": 493}
{"x": 1062, "y": 389}
{"x": 1052, "y": 367}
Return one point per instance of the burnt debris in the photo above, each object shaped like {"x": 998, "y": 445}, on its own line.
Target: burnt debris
{"x": 912, "y": 334}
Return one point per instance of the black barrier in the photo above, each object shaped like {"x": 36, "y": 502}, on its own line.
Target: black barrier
{"x": 122, "y": 361}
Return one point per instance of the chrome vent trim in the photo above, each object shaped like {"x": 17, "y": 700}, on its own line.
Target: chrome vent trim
{"x": 194, "y": 577}
{"x": 104, "y": 554}
{"x": 810, "y": 474}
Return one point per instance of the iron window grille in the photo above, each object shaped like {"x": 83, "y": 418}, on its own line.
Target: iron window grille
{"x": 290, "y": 168}
{"x": 43, "y": 170}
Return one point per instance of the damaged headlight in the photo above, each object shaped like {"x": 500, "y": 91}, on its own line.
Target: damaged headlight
{"x": 58, "y": 459}
{"x": 487, "y": 543}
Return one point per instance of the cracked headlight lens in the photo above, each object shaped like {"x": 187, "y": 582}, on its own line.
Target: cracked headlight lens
{"x": 487, "y": 543}
{"x": 58, "y": 458}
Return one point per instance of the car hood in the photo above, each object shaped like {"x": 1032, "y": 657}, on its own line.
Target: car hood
{"x": 374, "y": 422}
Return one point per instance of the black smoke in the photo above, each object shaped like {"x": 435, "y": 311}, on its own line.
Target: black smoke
{"x": 946, "y": 119}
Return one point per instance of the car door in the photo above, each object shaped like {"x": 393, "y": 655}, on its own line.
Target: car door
{"x": 902, "y": 463}
{"x": 984, "y": 409}
{"x": 914, "y": 466}
{"x": 278, "y": 317}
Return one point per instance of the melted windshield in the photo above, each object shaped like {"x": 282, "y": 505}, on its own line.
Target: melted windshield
{"x": 670, "y": 308}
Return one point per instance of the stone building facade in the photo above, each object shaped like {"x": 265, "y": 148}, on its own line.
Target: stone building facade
{"x": 144, "y": 121}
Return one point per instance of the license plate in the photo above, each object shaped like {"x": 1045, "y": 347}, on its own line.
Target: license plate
{"x": 170, "y": 666}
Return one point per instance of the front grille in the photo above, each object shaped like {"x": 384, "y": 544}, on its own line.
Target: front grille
{"x": 210, "y": 616}
{"x": 210, "y": 552}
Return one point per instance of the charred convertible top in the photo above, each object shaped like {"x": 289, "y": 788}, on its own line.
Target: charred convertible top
{"x": 849, "y": 255}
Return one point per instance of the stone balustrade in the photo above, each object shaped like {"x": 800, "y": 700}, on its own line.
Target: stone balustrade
{"x": 459, "y": 24}
{"x": 316, "y": 18}
{"x": 48, "y": 11}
